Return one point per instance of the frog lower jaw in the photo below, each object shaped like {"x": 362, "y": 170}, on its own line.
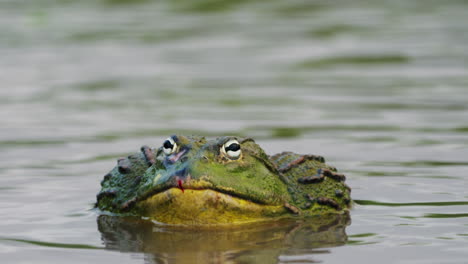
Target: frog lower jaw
{"x": 205, "y": 207}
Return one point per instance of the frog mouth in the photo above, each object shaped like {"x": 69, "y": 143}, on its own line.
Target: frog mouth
{"x": 179, "y": 189}
{"x": 182, "y": 181}
{"x": 205, "y": 206}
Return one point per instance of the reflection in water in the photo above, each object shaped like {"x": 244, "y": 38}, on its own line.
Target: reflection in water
{"x": 252, "y": 243}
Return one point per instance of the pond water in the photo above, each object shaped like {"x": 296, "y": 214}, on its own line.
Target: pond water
{"x": 380, "y": 88}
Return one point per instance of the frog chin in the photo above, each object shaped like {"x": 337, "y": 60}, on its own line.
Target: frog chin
{"x": 205, "y": 207}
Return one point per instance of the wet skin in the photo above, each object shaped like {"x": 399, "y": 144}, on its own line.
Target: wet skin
{"x": 190, "y": 180}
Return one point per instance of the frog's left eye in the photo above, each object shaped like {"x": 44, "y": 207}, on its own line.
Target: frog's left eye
{"x": 169, "y": 146}
{"x": 232, "y": 149}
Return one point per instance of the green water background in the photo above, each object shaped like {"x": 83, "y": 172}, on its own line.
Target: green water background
{"x": 380, "y": 88}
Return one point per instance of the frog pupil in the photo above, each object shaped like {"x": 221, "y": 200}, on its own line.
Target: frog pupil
{"x": 233, "y": 147}
{"x": 167, "y": 144}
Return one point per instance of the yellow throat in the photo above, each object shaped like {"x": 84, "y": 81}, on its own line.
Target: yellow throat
{"x": 205, "y": 206}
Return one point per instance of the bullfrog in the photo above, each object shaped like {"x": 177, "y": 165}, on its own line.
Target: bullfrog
{"x": 191, "y": 180}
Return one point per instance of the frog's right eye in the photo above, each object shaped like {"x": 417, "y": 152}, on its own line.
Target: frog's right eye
{"x": 169, "y": 146}
{"x": 232, "y": 149}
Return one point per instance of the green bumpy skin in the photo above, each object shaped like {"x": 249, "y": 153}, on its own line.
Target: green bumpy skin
{"x": 195, "y": 181}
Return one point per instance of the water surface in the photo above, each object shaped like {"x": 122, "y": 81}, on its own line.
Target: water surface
{"x": 378, "y": 88}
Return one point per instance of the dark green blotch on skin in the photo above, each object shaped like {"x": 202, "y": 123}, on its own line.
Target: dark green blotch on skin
{"x": 338, "y": 193}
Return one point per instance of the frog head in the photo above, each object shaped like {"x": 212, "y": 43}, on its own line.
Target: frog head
{"x": 192, "y": 180}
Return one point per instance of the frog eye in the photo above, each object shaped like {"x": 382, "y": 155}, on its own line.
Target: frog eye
{"x": 169, "y": 146}
{"x": 232, "y": 149}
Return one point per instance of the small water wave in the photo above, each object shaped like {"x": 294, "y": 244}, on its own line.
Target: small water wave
{"x": 51, "y": 244}
{"x": 377, "y": 203}
{"x": 438, "y": 215}
{"x": 370, "y": 60}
